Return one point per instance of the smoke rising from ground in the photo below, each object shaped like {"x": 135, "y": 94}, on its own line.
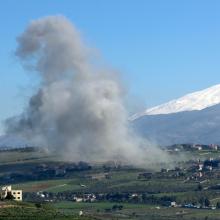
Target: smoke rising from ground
{"x": 78, "y": 110}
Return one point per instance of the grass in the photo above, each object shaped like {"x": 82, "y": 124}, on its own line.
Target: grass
{"x": 29, "y": 211}
{"x": 19, "y": 156}
{"x": 98, "y": 205}
{"x": 136, "y": 211}
{"x": 122, "y": 181}
{"x": 48, "y": 185}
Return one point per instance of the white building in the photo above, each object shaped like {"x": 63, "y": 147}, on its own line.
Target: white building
{"x": 7, "y": 190}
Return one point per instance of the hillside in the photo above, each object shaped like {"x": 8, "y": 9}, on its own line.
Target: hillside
{"x": 201, "y": 126}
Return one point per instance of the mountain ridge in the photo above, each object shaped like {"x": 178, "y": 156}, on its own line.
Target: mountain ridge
{"x": 193, "y": 101}
{"x": 197, "y": 126}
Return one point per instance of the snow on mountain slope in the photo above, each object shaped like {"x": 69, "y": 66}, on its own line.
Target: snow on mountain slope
{"x": 194, "y": 101}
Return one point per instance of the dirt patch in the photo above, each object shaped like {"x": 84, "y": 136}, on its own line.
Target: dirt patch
{"x": 37, "y": 187}
{"x": 5, "y": 205}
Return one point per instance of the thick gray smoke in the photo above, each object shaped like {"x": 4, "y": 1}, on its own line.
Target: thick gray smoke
{"x": 78, "y": 110}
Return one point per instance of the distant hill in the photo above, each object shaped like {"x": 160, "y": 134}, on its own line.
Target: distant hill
{"x": 10, "y": 141}
{"x": 199, "y": 126}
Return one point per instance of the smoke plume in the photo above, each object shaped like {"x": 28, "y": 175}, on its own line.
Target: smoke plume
{"x": 78, "y": 109}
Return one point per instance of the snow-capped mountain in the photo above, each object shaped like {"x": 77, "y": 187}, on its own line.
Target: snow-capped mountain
{"x": 194, "y": 118}
{"x": 194, "y": 101}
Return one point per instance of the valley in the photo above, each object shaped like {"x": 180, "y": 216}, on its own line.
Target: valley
{"x": 189, "y": 189}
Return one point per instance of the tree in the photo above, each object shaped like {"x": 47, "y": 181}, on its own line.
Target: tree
{"x": 9, "y": 196}
{"x": 218, "y": 205}
{"x": 207, "y": 202}
{"x": 200, "y": 187}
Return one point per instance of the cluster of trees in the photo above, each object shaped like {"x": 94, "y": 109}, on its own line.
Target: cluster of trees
{"x": 204, "y": 201}
{"x": 48, "y": 171}
{"x": 115, "y": 207}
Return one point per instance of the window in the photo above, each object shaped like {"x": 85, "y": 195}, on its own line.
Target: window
{"x": 19, "y": 197}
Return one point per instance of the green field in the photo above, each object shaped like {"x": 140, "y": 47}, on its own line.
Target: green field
{"x": 136, "y": 211}
{"x": 29, "y": 211}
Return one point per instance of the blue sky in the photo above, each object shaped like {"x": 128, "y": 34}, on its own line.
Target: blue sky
{"x": 164, "y": 49}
